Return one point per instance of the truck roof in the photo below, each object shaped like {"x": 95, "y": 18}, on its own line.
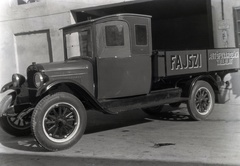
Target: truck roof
{"x": 105, "y": 17}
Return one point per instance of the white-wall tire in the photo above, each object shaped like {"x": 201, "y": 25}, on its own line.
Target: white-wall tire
{"x": 59, "y": 121}
{"x": 201, "y": 101}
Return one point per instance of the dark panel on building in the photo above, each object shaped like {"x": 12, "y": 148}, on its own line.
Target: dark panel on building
{"x": 185, "y": 24}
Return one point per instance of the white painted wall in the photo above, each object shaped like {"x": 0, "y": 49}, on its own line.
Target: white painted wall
{"x": 47, "y": 14}
{"x": 220, "y": 28}
{"x": 228, "y": 21}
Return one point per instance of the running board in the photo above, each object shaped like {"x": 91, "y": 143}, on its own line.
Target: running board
{"x": 155, "y": 98}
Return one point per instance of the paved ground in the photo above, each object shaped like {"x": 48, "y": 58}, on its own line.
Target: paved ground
{"x": 134, "y": 138}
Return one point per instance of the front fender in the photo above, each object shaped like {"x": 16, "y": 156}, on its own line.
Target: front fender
{"x": 51, "y": 84}
{"x": 8, "y": 86}
{"x": 79, "y": 91}
{"x": 7, "y": 103}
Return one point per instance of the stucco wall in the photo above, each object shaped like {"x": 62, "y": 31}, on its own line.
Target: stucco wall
{"x": 221, "y": 27}
{"x": 29, "y": 18}
{"x": 220, "y": 24}
{"x": 23, "y": 19}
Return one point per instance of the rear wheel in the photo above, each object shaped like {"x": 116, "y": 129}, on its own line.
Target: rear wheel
{"x": 201, "y": 101}
{"x": 59, "y": 121}
{"x": 15, "y": 124}
{"x": 153, "y": 111}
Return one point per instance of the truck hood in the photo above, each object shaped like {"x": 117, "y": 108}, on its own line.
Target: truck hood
{"x": 65, "y": 66}
{"x": 80, "y": 71}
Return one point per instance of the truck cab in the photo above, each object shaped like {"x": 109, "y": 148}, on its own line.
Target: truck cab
{"x": 119, "y": 48}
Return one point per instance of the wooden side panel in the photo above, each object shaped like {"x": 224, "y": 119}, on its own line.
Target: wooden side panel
{"x": 223, "y": 59}
{"x": 186, "y": 62}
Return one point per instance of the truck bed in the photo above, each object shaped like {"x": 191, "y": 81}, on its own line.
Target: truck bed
{"x": 182, "y": 62}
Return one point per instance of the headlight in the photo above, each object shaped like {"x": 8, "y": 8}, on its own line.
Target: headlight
{"x": 18, "y": 80}
{"x": 38, "y": 79}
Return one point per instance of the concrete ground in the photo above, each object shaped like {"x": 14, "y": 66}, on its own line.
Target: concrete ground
{"x": 134, "y": 138}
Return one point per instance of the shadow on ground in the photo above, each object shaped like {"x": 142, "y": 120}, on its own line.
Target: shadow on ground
{"x": 22, "y": 143}
{"x": 169, "y": 113}
{"x": 98, "y": 122}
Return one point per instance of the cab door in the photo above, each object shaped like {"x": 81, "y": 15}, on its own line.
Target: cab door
{"x": 119, "y": 73}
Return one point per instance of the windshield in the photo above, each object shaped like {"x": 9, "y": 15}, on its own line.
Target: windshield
{"x": 79, "y": 44}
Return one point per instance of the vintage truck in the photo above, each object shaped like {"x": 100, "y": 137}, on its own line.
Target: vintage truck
{"x": 110, "y": 67}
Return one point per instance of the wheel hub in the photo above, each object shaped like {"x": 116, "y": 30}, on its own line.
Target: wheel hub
{"x": 203, "y": 101}
{"x": 61, "y": 122}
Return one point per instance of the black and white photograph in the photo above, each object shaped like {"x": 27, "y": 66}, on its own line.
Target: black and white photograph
{"x": 120, "y": 82}
{"x": 21, "y": 2}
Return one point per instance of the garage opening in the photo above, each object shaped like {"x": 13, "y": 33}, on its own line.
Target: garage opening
{"x": 185, "y": 24}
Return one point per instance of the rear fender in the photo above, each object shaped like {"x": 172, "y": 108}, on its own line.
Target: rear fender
{"x": 190, "y": 84}
{"x": 73, "y": 87}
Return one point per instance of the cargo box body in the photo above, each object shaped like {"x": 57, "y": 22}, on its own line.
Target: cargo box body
{"x": 177, "y": 63}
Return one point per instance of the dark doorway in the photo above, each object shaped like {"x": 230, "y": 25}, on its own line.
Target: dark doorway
{"x": 185, "y": 24}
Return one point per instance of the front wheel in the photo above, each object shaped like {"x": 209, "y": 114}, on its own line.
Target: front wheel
{"x": 59, "y": 121}
{"x": 15, "y": 124}
{"x": 201, "y": 101}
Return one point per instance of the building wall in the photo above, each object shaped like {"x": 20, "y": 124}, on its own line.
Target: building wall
{"x": 221, "y": 24}
{"x": 223, "y": 30}
{"x": 16, "y": 24}
{"x": 20, "y": 27}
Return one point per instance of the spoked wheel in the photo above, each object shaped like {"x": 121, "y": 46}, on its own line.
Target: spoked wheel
{"x": 202, "y": 100}
{"x": 59, "y": 121}
{"x": 15, "y": 124}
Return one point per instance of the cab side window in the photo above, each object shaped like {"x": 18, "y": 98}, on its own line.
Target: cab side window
{"x": 114, "y": 35}
{"x": 141, "y": 35}
{"x": 113, "y": 39}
